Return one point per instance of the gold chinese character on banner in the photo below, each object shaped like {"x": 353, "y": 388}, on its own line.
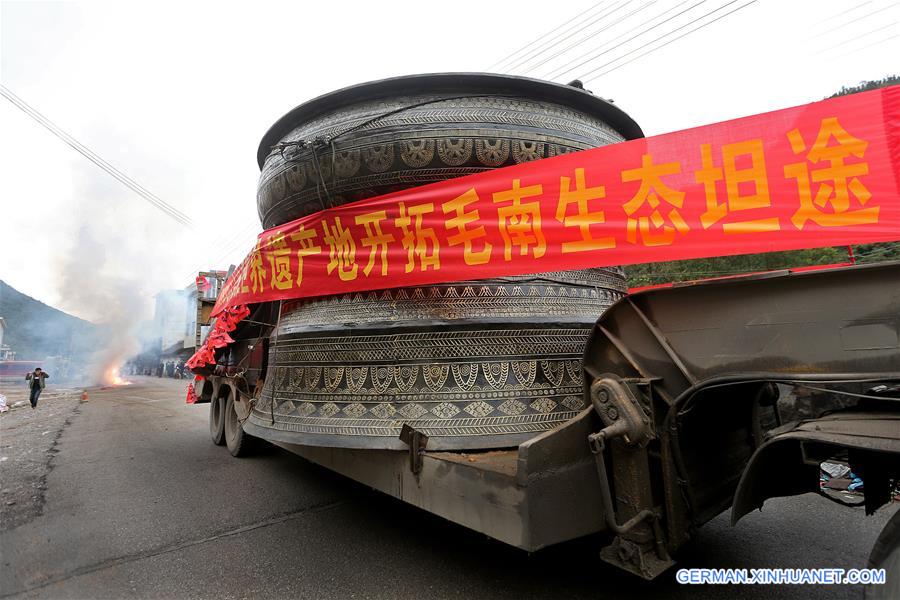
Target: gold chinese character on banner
{"x": 341, "y": 250}
{"x": 520, "y": 222}
{"x": 736, "y": 199}
{"x": 306, "y": 246}
{"x": 241, "y": 274}
{"x": 465, "y": 236}
{"x": 417, "y": 240}
{"x": 376, "y": 240}
{"x": 257, "y": 270}
{"x": 840, "y": 195}
{"x": 279, "y": 256}
{"x": 663, "y": 222}
{"x": 583, "y": 217}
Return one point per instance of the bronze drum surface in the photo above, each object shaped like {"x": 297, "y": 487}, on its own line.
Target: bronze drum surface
{"x": 474, "y": 364}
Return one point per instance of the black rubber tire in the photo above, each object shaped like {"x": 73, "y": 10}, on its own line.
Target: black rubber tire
{"x": 886, "y": 555}
{"x": 240, "y": 444}
{"x": 217, "y": 421}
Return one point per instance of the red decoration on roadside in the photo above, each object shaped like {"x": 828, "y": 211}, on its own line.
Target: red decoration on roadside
{"x": 191, "y": 395}
{"x": 226, "y": 321}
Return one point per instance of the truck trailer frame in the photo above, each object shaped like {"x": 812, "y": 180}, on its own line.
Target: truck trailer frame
{"x": 684, "y": 416}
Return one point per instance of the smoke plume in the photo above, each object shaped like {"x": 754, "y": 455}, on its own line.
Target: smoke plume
{"x": 117, "y": 255}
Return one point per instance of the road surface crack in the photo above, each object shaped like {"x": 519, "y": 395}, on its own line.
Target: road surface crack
{"x": 166, "y": 549}
{"x": 29, "y": 455}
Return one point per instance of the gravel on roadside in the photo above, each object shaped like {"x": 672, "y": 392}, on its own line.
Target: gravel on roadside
{"x": 28, "y": 441}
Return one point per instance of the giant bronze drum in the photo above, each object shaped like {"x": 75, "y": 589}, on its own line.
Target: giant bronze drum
{"x": 474, "y": 364}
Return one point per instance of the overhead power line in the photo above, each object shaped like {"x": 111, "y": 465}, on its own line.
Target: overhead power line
{"x": 567, "y": 68}
{"x": 552, "y": 73}
{"x": 564, "y": 68}
{"x": 539, "y": 49}
{"x": 214, "y": 265}
{"x": 240, "y": 236}
{"x": 842, "y": 13}
{"x": 865, "y": 16}
{"x": 242, "y": 244}
{"x": 583, "y": 77}
{"x": 856, "y": 38}
{"x": 591, "y": 35}
{"x": 887, "y": 39}
{"x": 92, "y": 156}
{"x": 551, "y": 32}
{"x": 242, "y": 239}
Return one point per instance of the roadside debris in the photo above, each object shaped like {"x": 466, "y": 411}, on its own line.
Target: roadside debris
{"x": 836, "y": 476}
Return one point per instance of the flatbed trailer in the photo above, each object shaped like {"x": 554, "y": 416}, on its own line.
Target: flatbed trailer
{"x": 684, "y": 418}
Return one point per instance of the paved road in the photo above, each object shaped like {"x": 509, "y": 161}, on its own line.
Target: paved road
{"x": 139, "y": 503}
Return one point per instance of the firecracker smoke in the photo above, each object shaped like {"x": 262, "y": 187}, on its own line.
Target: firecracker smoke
{"x": 91, "y": 290}
{"x": 111, "y": 267}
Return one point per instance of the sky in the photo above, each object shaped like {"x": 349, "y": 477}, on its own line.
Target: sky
{"x": 178, "y": 94}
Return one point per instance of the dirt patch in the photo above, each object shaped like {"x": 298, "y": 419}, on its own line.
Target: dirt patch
{"x": 28, "y": 440}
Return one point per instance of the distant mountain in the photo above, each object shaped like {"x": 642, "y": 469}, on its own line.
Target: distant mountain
{"x": 35, "y": 331}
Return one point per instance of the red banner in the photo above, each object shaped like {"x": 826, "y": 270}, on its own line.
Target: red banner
{"x": 823, "y": 174}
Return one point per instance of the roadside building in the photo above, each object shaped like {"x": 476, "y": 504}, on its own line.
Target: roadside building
{"x": 5, "y": 352}
{"x": 182, "y": 320}
{"x": 204, "y": 295}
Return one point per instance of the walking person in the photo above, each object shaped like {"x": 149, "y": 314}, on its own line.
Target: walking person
{"x": 36, "y": 383}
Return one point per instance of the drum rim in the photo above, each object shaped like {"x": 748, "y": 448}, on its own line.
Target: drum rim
{"x": 536, "y": 89}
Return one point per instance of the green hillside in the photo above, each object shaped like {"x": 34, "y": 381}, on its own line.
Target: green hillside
{"x": 35, "y": 331}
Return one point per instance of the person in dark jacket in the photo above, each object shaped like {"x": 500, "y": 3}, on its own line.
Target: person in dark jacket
{"x": 36, "y": 383}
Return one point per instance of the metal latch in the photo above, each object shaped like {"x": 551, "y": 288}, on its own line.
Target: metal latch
{"x": 416, "y": 440}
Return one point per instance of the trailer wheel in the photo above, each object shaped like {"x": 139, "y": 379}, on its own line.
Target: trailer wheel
{"x": 886, "y": 555}
{"x": 217, "y": 420}
{"x": 240, "y": 444}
